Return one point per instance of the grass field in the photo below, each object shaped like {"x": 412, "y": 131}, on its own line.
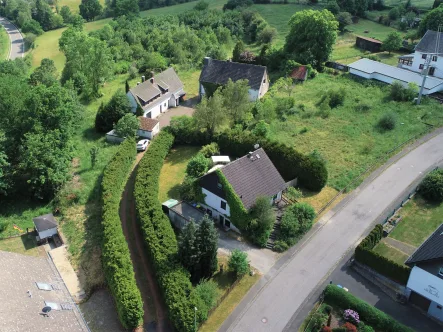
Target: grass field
{"x": 419, "y": 220}
{"x": 4, "y": 44}
{"x": 422, "y": 4}
{"x": 173, "y": 171}
{"x": 348, "y": 139}
{"x": 391, "y": 253}
{"x": 24, "y": 244}
{"x": 73, "y": 4}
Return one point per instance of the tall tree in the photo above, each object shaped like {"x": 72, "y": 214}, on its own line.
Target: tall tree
{"x": 344, "y": 19}
{"x": 238, "y": 50}
{"x": 392, "y": 42}
{"x": 46, "y": 74}
{"x": 90, "y": 9}
{"x": 236, "y": 100}
{"x": 311, "y": 37}
{"x": 188, "y": 250}
{"x": 127, "y": 126}
{"x": 125, "y": 7}
{"x": 109, "y": 114}
{"x": 43, "y": 14}
{"x": 207, "y": 242}
{"x": 431, "y": 21}
{"x": 210, "y": 113}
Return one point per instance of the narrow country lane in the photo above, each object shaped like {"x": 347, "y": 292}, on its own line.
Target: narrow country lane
{"x": 17, "y": 49}
{"x": 152, "y": 300}
{"x": 299, "y": 273}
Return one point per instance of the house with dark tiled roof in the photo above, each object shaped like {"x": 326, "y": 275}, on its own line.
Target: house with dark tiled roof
{"x": 216, "y": 73}
{"x": 148, "y": 127}
{"x": 425, "y": 284}
{"x": 250, "y": 176}
{"x": 157, "y": 94}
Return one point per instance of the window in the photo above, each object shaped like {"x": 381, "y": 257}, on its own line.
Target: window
{"x": 431, "y": 71}
{"x": 439, "y": 307}
{"x": 434, "y": 58}
{"x": 423, "y": 56}
{"x": 440, "y": 272}
{"x": 219, "y": 185}
{"x": 223, "y": 205}
{"x": 421, "y": 66}
{"x": 227, "y": 223}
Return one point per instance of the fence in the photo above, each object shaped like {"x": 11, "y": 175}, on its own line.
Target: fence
{"x": 220, "y": 300}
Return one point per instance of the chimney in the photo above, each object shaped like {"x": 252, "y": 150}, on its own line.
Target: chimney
{"x": 206, "y": 60}
{"x": 143, "y": 78}
{"x": 151, "y": 80}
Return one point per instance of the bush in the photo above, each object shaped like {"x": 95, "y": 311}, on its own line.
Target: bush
{"x": 280, "y": 246}
{"x": 238, "y": 263}
{"x": 206, "y": 291}
{"x": 160, "y": 240}
{"x": 116, "y": 258}
{"x": 3, "y": 226}
{"x": 400, "y": 93}
{"x": 317, "y": 321}
{"x": 210, "y": 150}
{"x": 127, "y": 126}
{"x": 296, "y": 221}
{"x": 381, "y": 264}
{"x": 351, "y": 316}
{"x": 349, "y": 327}
{"x": 362, "y": 327}
{"x": 197, "y": 166}
{"x": 432, "y": 186}
{"x": 387, "y": 122}
{"x": 326, "y": 329}
{"x": 109, "y": 114}
{"x": 371, "y": 315}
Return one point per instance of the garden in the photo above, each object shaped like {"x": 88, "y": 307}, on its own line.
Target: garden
{"x": 340, "y": 311}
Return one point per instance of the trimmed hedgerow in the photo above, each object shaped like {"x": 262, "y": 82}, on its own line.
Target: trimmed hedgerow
{"x": 336, "y": 296}
{"x": 365, "y": 255}
{"x": 160, "y": 240}
{"x": 115, "y": 252}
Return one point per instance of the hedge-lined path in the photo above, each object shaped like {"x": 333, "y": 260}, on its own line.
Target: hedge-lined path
{"x": 155, "y": 313}
{"x": 276, "y": 302}
{"x": 403, "y": 247}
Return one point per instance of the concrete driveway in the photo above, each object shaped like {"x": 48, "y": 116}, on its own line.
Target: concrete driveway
{"x": 261, "y": 259}
{"x": 165, "y": 118}
{"x": 17, "y": 49}
{"x": 299, "y": 273}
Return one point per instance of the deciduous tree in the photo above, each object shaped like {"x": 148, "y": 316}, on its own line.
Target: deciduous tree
{"x": 127, "y": 126}
{"x": 207, "y": 241}
{"x": 90, "y": 9}
{"x": 210, "y": 113}
{"x": 109, "y": 114}
{"x": 238, "y": 263}
{"x": 392, "y": 42}
{"x": 236, "y": 100}
{"x": 46, "y": 74}
{"x": 431, "y": 21}
{"x": 188, "y": 250}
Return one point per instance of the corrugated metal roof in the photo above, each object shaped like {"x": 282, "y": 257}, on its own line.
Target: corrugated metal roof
{"x": 371, "y": 67}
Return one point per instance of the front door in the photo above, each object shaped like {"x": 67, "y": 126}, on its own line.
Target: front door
{"x": 222, "y": 220}
{"x": 431, "y": 71}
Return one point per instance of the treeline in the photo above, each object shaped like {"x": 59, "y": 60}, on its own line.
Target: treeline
{"x": 117, "y": 263}
{"x": 160, "y": 240}
{"x": 39, "y": 119}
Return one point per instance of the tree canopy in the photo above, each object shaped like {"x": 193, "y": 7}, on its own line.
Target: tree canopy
{"x": 90, "y": 9}
{"x": 127, "y": 126}
{"x": 392, "y": 42}
{"x": 431, "y": 21}
{"x": 311, "y": 37}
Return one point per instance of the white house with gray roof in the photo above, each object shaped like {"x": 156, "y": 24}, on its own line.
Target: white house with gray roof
{"x": 218, "y": 73}
{"x": 410, "y": 67}
{"x": 157, "y": 94}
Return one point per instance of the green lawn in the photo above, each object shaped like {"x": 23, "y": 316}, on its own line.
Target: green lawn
{"x": 73, "y": 4}
{"x": 4, "y": 44}
{"x": 391, "y": 253}
{"x": 173, "y": 171}
{"x": 419, "y": 220}
{"x": 25, "y": 244}
{"x": 422, "y": 4}
{"x": 348, "y": 138}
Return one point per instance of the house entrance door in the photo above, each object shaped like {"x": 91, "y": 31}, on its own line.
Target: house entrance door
{"x": 222, "y": 221}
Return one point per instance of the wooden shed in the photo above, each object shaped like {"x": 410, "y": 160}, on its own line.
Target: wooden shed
{"x": 368, "y": 44}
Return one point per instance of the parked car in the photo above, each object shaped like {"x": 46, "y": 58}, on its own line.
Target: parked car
{"x": 143, "y": 144}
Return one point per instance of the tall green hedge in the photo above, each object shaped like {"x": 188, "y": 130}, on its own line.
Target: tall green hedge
{"x": 365, "y": 255}
{"x": 115, "y": 252}
{"x": 336, "y": 296}
{"x": 160, "y": 240}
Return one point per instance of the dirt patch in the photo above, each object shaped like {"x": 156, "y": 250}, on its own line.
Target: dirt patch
{"x": 100, "y": 312}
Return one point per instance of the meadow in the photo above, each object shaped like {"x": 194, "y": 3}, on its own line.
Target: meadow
{"x": 348, "y": 136}
{"x": 73, "y": 4}
{"x": 4, "y": 44}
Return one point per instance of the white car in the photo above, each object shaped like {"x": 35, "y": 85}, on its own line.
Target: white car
{"x": 143, "y": 144}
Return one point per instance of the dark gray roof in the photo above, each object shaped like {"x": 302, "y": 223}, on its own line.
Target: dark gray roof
{"x": 431, "y": 249}
{"x": 45, "y": 222}
{"x": 428, "y": 43}
{"x": 147, "y": 90}
{"x": 219, "y": 72}
{"x": 250, "y": 177}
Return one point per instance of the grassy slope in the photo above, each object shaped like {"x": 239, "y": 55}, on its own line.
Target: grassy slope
{"x": 348, "y": 139}
{"x": 4, "y": 44}
{"x": 173, "y": 171}
{"x": 47, "y": 44}
{"x": 73, "y": 4}
{"x": 419, "y": 220}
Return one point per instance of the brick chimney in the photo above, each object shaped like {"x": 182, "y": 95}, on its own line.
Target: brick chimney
{"x": 206, "y": 60}
{"x": 143, "y": 79}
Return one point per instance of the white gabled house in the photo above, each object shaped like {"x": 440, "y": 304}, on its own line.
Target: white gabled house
{"x": 219, "y": 72}
{"x": 157, "y": 94}
{"x": 250, "y": 176}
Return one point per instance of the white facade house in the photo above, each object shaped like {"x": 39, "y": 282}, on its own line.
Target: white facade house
{"x": 250, "y": 176}
{"x": 46, "y": 226}
{"x": 148, "y": 127}
{"x": 217, "y": 73}
{"x": 157, "y": 94}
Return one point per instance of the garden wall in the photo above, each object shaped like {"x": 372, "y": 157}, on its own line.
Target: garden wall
{"x": 116, "y": 258}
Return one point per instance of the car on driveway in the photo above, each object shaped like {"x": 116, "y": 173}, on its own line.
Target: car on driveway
{"x": 143, "y": 144}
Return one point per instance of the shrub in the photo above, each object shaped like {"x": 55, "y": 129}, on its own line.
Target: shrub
{"x": 3, "y": 226}
{"x": 362, "y": 327}
{"x": 337, "y": 97}
{"x": 197, "y": 166}
{"x": 294, "y": 193}
{"x": 432, "y": 186}
{"x": 362, "y": 107}
{"x": 387, "y": 122}
{"x": 371, "y": 315}
{"x": 351, "y": 316}
{"x": 109, "y": 114}
{"x": 238, "y": 263}
{"x": 261, "y": 129}
{"x": 296, "y": 221}
{"x": 206, "y": 290}
{"x": 116, "y": 258}
{"x": 326, "y": 329}
{"x": 349, "y": 327}
{"x": 210, "y": 150}
{"x": 262, "y": 218}
{"x": 160, "y": 240}
{"x": 280, "y": 246}
{"x": 400, "y": 93}
{"x": 127, "y": 126}
{"x": 317, "y": 321}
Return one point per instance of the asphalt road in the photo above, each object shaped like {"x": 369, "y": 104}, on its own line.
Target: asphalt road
{"x": 289, "y": 284}
{"x": 17, "y": 49}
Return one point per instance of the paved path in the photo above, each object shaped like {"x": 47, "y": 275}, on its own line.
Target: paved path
{"x": 403, "y": 247}
{"x": 17, "y": 49}
{"x": 299, "y": 273}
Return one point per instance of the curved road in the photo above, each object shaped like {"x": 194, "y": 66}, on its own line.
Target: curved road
{"x": 17, "y": 49}
{"x": 284, "y": 290}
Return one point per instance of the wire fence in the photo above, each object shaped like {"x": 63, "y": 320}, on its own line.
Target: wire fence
{"x": 225, "y": 294}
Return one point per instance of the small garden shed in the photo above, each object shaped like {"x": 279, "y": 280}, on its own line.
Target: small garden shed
{"x": 368, "y": 44}
{"x": 46, "y": 226}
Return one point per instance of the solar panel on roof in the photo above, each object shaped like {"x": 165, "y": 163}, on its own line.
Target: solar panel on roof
{"x": 53, "y": 305}
{"x": 43, "y": 286}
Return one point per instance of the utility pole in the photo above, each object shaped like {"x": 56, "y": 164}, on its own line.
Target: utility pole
{"x": 195, "y": 319}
